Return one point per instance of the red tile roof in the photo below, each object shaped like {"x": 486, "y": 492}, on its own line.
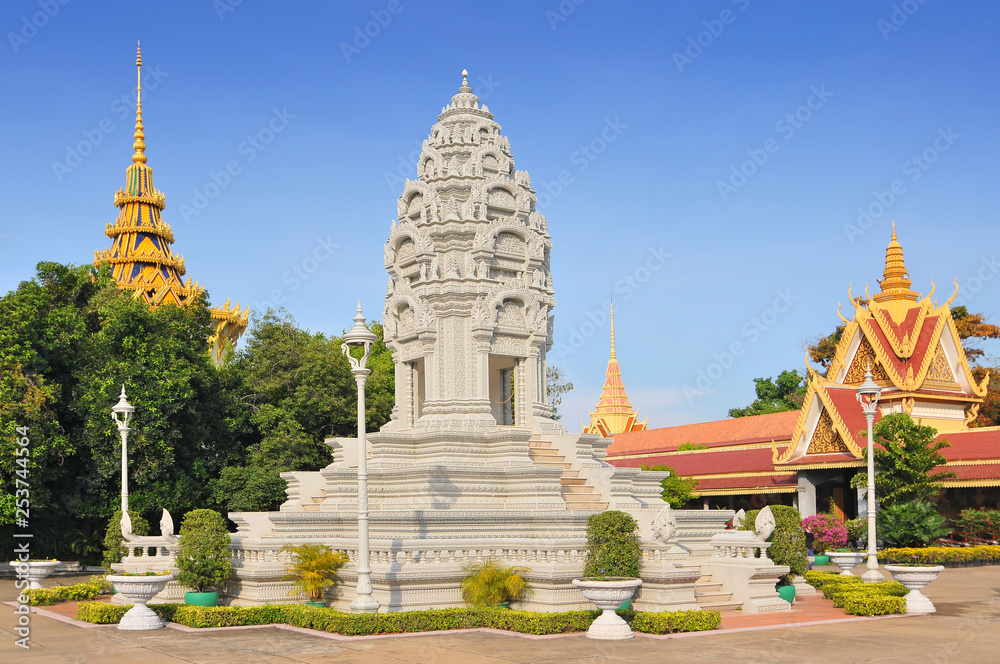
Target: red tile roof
{"x": 775, "y": 481}
{"x": 972, "y": 444}
{"x": 920, "y": 348}
{"x": 754, "y": 429}
{"x": 709, "y": 462}
{"x": 968, "y": 473}
{"x": 845, "y": 401}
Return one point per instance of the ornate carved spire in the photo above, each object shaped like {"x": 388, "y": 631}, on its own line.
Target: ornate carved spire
{"x": 139, "y": 146}
{"x": 896, "y": 284}
{"x": 612, "y": 330}
{"x": 614, "y": 412}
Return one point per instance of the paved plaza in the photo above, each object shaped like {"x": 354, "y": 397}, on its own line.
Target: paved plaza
{"x": 965, "y": 629}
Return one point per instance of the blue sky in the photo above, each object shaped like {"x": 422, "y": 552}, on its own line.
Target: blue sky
{"x": 647, "y": 113}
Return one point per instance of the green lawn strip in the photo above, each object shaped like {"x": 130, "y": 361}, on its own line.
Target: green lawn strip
{"x": 349, "y": 624}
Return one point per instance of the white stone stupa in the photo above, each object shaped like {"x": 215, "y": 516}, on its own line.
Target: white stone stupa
{"x": 472, "y": 464}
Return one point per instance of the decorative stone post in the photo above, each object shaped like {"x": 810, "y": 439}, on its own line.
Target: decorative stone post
{"x": 868, "y": 395}
{"x": 121, "y": 412}
{"x": 361, "y": 336}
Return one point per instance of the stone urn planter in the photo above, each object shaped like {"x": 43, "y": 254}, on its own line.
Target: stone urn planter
{"x": 138, "y": 590}
{"x": 847, "y": 560}
{"x": 36, "y": 571}
{"x": 608, "y": 595}
{"x": 915, "y": 578}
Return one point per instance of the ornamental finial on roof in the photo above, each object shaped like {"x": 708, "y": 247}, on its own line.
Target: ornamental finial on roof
{"x": 139, "y": 146}
{"x": 465, "y": 82}
{"x": 896, "y": 282}
{"x": 613, "y": 330}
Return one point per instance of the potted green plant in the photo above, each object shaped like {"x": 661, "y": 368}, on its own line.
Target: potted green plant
{"x": 313, "y": 568}
{"x": 611, "y": 571}
{"x": 491, "y": 583}
{"x": 203, "y": 556}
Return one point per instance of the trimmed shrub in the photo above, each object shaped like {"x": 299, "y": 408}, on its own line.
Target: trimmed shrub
{"x": 942, "y": 555}
{"x": 857, "y": 597}
{"x": 613, "y": 547}
{"x": 860, "y": 604}
{"x": 788, "y": 543}
{"x": 203, "y": 552}
{"x": 114, "y": 549}
{"x": 72, "y": 593}
{"x": 348, "y": 624}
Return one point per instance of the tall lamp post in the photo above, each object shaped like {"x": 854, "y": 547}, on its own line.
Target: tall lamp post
{"x": 361, "y": 336}
{"x": 868, "y": 394}
{"x": 121, "y": 412}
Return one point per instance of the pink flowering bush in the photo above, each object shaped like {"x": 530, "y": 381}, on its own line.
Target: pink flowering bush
{"x": 828, "y": 532}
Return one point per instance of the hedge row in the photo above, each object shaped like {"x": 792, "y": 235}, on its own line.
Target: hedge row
{"x": 348, "y": 624}
{"x": 97, "y": 585}
{"x": 943, "y": 555}
{"x": 857, "y": 597}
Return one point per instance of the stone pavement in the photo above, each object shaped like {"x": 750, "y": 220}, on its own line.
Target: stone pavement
{"x": 965, "y": 629}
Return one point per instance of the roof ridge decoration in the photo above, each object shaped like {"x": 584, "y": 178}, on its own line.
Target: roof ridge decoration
{"x": 896, "y": 282}
{"x": 614, "y": 413}
{"x": 140, "y": 256}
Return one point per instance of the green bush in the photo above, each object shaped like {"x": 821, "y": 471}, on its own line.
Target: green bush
{"x": 857, "y": 597}
{"x": 613, "y": 547}
{"x": 860, "y": 604}
{"x": 114, "y": 549}
{"x": 348, "y": 624}
{"x": 203, "y": 552}
{"x": 788, "y": 542}
{"x": 979, "y": 523}
{"x": 490, "y": 583}
{"x": 97, "y": 585}
{"x": 909, "y": 524}
{"x": 942, "y": 555}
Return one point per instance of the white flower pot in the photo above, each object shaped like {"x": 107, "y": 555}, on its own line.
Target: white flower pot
{"x": 847, "y": 560}
{"x": 608, "y": 596}
{"x": 139, "y": 590}
{"x": 915, "y": 578}
{"x": 34, "y": 571}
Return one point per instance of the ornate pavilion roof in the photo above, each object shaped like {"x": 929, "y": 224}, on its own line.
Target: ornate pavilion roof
{"x": 140, "y": 255}
{"x": 614, "y": 413}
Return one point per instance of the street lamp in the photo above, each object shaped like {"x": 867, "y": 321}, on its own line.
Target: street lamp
{"x": 121, "y": 413}
{"x": 868, "y": 394}
{"x": 361, "y": 336}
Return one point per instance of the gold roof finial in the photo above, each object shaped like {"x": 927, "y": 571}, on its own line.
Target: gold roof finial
{"x": 139, "y": 146}
{"x": 896, "y": 284}
{"x": 613, "y": 330}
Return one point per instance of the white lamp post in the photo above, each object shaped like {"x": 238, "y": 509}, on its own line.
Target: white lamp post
{"x": 359, "y": 335}
{"x": 868, "y": 394}
{"x": 121, "y": 412}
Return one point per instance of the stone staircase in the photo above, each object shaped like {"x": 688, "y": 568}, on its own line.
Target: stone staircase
{"x": 575, "y": 491}
{"x": 709, "y": 594}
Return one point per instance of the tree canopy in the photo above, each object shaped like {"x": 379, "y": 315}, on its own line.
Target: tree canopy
{"x": 775, "y": 395}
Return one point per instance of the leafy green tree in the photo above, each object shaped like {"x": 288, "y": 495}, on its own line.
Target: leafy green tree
{"x": 203, "y": 551}
{"x": 677, "y": 490}
{"x": 775, "y": 395}
{"x": 557, "y": 386}
{"x": 906, "y": 456}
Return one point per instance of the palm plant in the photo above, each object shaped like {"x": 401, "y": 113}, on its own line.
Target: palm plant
{"x": 491, "y": 583}
{"x": 313, "y": 568}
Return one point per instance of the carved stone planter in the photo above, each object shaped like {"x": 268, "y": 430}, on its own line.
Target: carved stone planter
{"x": 916, "y": 578}
{"x": 608, "y": 596}
{"x": 138, "y": 590}
{"x": 36, "y": 571}
{"x": 847, "y": 560}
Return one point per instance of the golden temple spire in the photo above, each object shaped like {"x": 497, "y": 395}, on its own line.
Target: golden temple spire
{"x": 139, "y": 146}
{"x": 614, "y": 412}
{"x": 896, "y": 284}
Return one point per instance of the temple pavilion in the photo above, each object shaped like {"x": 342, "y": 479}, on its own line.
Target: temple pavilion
{"x": 807, "y": 457}
{"x": 140, "y": 256}
{"x": 614, "y": 413}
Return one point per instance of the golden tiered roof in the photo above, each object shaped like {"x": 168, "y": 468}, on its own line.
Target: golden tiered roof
{"x": 140, "y": 256}
{"x": 614, "y": 413}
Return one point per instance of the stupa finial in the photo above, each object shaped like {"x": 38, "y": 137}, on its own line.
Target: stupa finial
{"x": 465, "y": 82}
{"x": 613, "y": 330}
{"x": 139, "y": 145}
{"x": 895, "y": 283}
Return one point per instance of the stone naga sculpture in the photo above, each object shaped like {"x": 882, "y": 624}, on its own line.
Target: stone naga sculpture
{"x": 664, "y": 525}
{"x": 738, "y": 519}
{"x": 765, "y": 524}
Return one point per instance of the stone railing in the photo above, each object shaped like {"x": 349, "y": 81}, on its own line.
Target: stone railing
{"x": 738, "y": 544}
{"x": 739, "y": 562}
